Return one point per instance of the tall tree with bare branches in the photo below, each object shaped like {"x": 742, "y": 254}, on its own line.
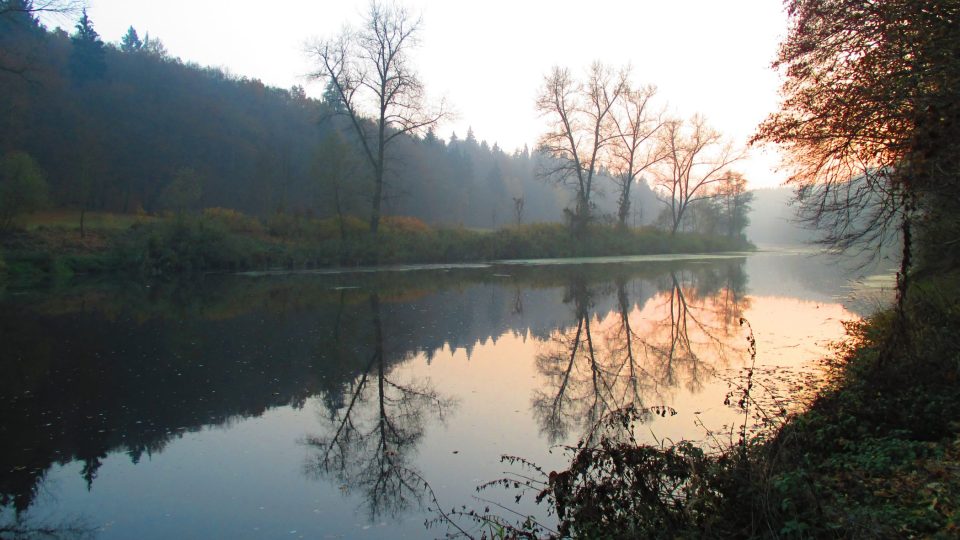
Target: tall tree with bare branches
{"x": 636, "y": 149}
{"x": 696, "y": 157}
{"x": 579, "y": 115}
{"x": 368, "y": 70}
{"x": 871, "y": 121}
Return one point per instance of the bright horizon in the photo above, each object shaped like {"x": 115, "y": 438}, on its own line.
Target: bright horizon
{"x": 488, "y": 59}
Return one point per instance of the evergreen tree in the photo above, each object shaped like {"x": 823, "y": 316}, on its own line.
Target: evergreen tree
{"x": 431, "y": 137}
{"x": 87, "y": 57}
{"x": 331, "y": 98}
{"x": 297, "y": 93}
{"x": 131, "y": 42}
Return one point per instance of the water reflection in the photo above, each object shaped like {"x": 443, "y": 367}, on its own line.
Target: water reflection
{"x": 687, "y": 331}
{"x": 369, "y": 436}
{"x": 96, "y": 374}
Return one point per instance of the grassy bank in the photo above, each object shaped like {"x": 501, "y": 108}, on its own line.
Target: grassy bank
{"x": 50, "y": 245}
{"x": 876, "y": 455}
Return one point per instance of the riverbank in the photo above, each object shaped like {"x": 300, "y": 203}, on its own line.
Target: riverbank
{"x": 224, "y": 240}
{"x": 876, "y": 455}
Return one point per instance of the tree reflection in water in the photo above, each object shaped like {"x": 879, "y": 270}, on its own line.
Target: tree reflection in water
{"x": 24, "y": 528}
{"x": 681, "y": 336}
{"x": 92, "y": 372}
{"x": 368, "y": 439}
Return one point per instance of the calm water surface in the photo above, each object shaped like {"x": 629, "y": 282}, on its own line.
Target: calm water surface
{"x": 316, "y": 405}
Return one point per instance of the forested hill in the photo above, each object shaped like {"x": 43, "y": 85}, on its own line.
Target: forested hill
{"x": 113, "y": 125}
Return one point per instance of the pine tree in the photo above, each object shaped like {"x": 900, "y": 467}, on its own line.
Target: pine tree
{"x": 331, "y": 98}
{"x": 87, "y": 58}
{"x": 431, "y": 136}
{"x": 131, "y": 42}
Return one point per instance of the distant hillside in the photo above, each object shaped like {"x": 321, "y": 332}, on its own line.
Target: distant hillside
{"x": 773, "y": 222}
{"x": 113, "y": 127}
{"x": 773, "y": 219}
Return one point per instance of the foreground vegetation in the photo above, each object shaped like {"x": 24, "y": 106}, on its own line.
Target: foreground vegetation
{"x": 877, "y": 454}
{"x": 50, "y": 245}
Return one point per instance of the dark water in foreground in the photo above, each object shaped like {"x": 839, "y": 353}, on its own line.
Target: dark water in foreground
{"x": 314, "y": 405}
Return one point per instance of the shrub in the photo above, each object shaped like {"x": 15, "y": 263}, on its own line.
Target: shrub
{"x": 188, "y": 245}
{"x": 329, "y": 228}
{"x": 233, "y": 220}
{"x": 403, "y": 224}
{"x": 289, "y": 226}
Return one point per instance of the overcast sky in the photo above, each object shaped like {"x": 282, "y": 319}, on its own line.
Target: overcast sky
{"x": 488, "y": 58}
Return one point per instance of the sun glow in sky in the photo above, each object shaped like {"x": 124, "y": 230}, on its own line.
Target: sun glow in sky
{"x": 488, "y": 58}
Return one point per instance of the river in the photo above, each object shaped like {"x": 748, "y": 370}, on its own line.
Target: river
{"x": 320, "y": 405}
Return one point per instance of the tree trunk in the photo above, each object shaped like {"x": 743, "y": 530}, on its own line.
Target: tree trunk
{"x": 378, "y": 170}
{"x": 343, "y": 226}
{"x": 624, "y": 210}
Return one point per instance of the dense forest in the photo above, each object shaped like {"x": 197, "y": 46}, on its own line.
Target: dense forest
{"x": 113, "y": 126}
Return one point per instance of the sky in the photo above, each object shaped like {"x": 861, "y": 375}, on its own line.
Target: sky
{"x": 488, "y": 58}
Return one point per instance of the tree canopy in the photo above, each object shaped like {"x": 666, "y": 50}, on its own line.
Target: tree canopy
{"x": 871, "y": 112}
{"x": 87, "y": 56}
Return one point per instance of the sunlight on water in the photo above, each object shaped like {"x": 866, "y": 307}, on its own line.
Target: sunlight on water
{"x": 315, "y": 405}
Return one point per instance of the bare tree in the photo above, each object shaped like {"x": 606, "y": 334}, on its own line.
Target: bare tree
{"x": 696, "y": 157}
{"x": 518, "y": 203}
{"x": 368, "y": 71}
{"x": 602, "y": 363}
{"x": 368, "y": 440}
{"x": 636, "y": 149}
{"x": 580, "y": 115}
{"x": 577, "y": 389}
